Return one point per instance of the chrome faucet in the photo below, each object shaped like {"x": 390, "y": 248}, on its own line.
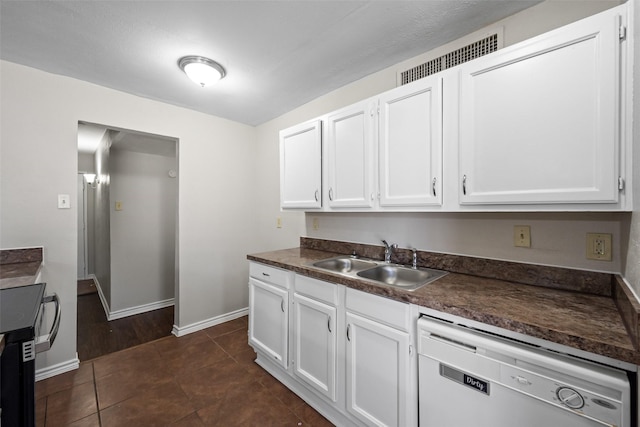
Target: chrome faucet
{"x": 414, "y": 264}
{"x": 387, "y": 251}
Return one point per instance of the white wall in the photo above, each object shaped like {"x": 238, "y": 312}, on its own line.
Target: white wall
{"x": 216, "y": 189}
{"x": 86, "y": 162}
{"x": 100, "y": 245}
{"x": 557, "y": 238}
{"x": 143, "y": 232}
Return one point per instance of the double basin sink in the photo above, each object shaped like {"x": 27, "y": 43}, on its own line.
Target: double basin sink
{"x": 379, "y": 272}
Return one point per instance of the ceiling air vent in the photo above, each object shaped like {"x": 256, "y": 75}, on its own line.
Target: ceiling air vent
{"x": 466, "y": 53}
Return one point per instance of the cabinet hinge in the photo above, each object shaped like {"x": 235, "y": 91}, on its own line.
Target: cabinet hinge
{"x": 620, "y": 183}
{"x": 622, "y": 32}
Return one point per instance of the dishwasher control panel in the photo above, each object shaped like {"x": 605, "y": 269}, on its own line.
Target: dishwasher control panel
{"x": 569, "y": 396}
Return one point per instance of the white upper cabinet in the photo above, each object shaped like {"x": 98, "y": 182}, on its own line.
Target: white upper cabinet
{"x": 301, "y": 166}
{"x": 351, "y": 139}
{"x": 542, "y": 125}
{"x": 410, "y": 146}
{"x": 539, "y": 121}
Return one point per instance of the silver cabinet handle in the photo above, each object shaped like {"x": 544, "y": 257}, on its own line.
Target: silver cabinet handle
{"x": 348, "y": 337}
{"x": 44, "y": 343}
{"x": 464, "y": 185}
{"x": 282, "y": 305}
{"x": 329, "y": 324}
{"x": 316, "y": 195}
{"x": 433, "y": 187}
{"x": 330, "y": 193}
{"x": 266, "y": 275}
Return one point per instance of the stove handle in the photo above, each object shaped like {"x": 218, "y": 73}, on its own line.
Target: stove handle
{"x": 44, "y": 343}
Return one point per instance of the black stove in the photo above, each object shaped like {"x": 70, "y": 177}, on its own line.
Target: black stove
{"x": 20, "y": 315}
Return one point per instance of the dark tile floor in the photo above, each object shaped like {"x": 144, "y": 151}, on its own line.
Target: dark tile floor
{"x": 97, "y": 336}
{"x": 205, "y": 378}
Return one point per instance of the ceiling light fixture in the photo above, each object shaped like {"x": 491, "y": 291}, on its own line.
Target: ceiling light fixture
{"x": 90, "y": 178}
{"x": 203, "y": 71}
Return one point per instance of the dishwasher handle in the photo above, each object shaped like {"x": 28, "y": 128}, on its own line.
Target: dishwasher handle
{"x": 44, "y": 342}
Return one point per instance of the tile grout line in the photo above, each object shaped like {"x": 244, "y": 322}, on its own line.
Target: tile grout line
{"x": 46, "y": 403}
{"x": 95, "y": 392}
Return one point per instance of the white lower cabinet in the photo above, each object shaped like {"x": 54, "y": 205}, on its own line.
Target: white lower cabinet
{"x": 269, "y": 312}
{"x": 379, "y": 356}
{"x": 314, "y": 337}
{"x": 377, "y": 369}
{"x": 350, "y": 351}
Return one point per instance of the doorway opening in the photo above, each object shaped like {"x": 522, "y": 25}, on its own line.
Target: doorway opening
{"x": 127, "y": 238}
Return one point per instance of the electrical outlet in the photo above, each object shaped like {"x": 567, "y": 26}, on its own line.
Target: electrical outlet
{"x": 315, "y": 224}
{"x": 522, "y": 236}
{"x": 278, "y": 222}
{"x": 599, "y": 246}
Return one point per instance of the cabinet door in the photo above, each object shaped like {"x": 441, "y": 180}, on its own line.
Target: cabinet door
{"x": 377, "y": 372}
{"x": 410, "y": 146}
{"x": 539, "y": 122}
{"x": 300, "y": 166}
{"x": 350, "y": 148}
{"x": 269, "y": 320}
{"x": 314, "y": 355}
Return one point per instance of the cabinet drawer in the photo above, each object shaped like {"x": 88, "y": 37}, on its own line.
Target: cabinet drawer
{"x": 383, "y": 310}
{"x": 317, "y": 289}
{"x": 269, "y": 274}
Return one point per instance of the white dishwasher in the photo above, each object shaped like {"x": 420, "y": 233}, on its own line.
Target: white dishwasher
{"x": 472, "y": 378}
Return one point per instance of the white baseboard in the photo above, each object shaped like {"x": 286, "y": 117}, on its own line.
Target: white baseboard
{"x": 103, "y": 300}
{"x": 126, "y": 312}
{"x": 60, "y": 368}
{"x": 180, "y": 331}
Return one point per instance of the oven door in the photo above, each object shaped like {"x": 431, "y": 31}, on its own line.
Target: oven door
{"x": 17, "y": 362}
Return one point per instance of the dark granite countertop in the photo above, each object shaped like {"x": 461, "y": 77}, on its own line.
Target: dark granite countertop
{"x": 19, "y": 267}
{"x": 590, "y": 322}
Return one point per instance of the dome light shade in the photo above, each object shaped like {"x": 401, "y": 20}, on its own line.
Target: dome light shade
{"x": 203, "y": 71}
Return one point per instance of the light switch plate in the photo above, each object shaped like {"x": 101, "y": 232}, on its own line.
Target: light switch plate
{"x": 118, "y": 206}
{"x": 64, "y": 201}
{"x": 599, "y": 246}
{"x": 522, "y": 236}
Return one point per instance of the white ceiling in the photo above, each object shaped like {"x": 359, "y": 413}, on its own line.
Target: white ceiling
{"x": 278, "y": 54}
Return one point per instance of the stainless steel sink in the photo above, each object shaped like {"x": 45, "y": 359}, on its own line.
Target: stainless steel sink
{"x": 344, "y": 264}
{"x": 385, "y": 274}
{"x": 402, "y": 277}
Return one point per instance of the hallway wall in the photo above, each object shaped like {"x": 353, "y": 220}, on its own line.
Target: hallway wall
{"x": 143, "y": 243}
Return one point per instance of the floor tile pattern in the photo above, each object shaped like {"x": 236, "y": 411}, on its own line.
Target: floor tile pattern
{"x": 207, "y": 378}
